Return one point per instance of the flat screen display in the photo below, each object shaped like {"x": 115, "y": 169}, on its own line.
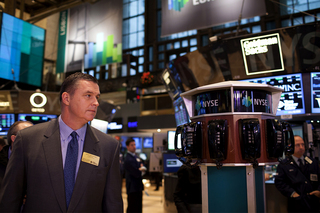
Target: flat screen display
{"x": 315, "y": 92}
{"x": 171, "y": 137}
{"x": 36, "y": 118}
{"x": 180, "y": 112}
{"x": 138, "y": 143}
{"x": 115, "y": 126}
{"x": 148, "y": 142}
{"x": 292, "y": 99}
{"x": 21, "y": 50}
{"x": 6, "y": 121}
{"x": 171, "y": 163}
{"x": 100, "y": 125}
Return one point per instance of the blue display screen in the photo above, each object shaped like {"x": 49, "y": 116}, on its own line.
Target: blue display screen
{"x": 36, "y": 118}
{"x": 21, "y": 50}
{"x": 147, "y": 142}
{"x": 171, "y": 163}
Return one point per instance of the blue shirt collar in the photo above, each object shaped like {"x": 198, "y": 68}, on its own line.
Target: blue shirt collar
{"x": 65, "y": 130}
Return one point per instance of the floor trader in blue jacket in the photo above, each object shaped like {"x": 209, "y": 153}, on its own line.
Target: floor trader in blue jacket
{"x": 133, "y": 167}
{"x": 298, "y": 179}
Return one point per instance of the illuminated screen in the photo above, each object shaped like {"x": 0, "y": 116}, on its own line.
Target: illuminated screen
{"x": 171, "y": 163}
{"x": 180, "y": 112}
{"x": 171, "y": 137}
{"x": 100, "y": 125}
{"x": 291, "y": 100}
{"x": 315, "y": 92}
{"x": 143, "y": 156}
{"x": 147, "y": 142}
{"x": 115, "y": 126}
{"x": 6, "y": 121}
{"x": 36, "y": 118}
{"x": 138, "y": 142}
{"x": 262, "y": 54}
{"x": 21, "y": 50}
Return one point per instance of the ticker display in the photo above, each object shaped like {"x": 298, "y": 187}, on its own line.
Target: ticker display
{"x": 315, "y": 92}
{"x": 292, "y": 99}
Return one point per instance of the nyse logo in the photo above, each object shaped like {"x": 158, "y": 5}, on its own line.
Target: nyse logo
{"x": 247, "y": 101}
{"x": 210, "y": 103}
{"x": 260, "y": 102}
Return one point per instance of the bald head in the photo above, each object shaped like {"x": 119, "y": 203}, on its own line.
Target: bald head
{"x": 299, "y": 146}
{"x": 15, "y": 128}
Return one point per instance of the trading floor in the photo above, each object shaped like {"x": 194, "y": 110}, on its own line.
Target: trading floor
{"x": 152, "y": 200}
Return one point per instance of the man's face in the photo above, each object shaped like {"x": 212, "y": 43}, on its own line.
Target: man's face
{"x": 84, "y": 101}
{"x": 132, "y": 147}
{"x": 299, "y": 148}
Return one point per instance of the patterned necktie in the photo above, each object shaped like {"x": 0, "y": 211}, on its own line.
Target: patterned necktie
{"x": 70, "y": 166}
{"x": 301, "y": 164}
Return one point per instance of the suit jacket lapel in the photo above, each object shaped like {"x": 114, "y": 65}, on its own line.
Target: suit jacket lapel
{"x": 85, "y": 170}
{"x": 52, "y": 152}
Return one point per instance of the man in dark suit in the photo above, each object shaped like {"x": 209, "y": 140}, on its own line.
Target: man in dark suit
{"x": 6, "y": 151}
{"x": 65, "y": 165}
{"x": 298, "y": 179}
{"x": 133, "y": 167}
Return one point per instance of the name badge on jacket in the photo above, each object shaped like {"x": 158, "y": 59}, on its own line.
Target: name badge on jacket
{"x": 90, "y": 159}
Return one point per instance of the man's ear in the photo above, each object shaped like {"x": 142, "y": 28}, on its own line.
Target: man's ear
{"x": 65, "y": 98}
{"x": 13, "y": 137}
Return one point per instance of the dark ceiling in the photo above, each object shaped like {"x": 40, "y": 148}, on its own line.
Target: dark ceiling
{"x": 40, "y": 9}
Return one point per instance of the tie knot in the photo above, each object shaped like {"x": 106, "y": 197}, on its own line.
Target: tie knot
{"x": 74, "y": 134}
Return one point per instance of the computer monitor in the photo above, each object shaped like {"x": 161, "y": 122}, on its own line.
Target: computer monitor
{"x": 6, "y": 120}
{"x": 171, "y": 138}
{"x": 36, "y": 118}
{"x": 292, "y": 98}
{"x": 147, "y": 142}
{"x": 138, "y": 143}
{"x": 171, "y": 163}
{"x": 100, "y": 125}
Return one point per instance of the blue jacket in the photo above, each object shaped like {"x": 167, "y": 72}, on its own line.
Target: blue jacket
{"x": 291, "y": 179}
{"x": 133, "y": 174}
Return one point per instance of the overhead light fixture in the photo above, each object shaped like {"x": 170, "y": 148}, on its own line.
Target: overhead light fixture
{"x": 158, "y": 130}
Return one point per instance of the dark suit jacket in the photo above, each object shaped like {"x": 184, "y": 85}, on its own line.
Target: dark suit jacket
{"x": 291, "y": 179}
{"x": 133, "y": 174}
{"x": 3, "y": 161}
{"x": 36, "y": 169}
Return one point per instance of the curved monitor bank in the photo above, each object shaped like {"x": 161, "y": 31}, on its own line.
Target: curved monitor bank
{"x": 228, "y": 134}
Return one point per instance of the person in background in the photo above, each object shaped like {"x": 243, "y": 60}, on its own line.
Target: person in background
{"x": 5, "y": 153}
{"x": 187, "y": 195}
{"x": 133, "y": 167}
{"x": 298, "y": 179}
{"x": 2, "y": 143}
{"x": 65, "y": 165}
